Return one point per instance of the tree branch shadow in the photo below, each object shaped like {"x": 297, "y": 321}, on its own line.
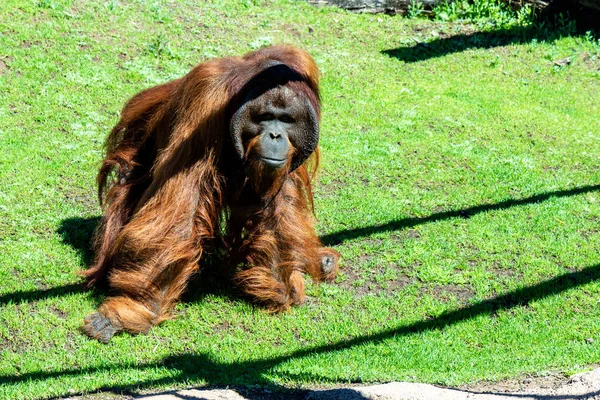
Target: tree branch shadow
{"x": 202, "y": 367}
{"x": 77, "y": 232}
{"x": 26, "y": 296}
{"x": 443, "y": 46}
{"x": 337, "y": 238}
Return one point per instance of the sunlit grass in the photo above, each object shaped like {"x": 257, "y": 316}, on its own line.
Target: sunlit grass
{"x": 457, "y": 169}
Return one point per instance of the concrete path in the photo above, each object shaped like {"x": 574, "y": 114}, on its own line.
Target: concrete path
{"x": 582, "y": 386}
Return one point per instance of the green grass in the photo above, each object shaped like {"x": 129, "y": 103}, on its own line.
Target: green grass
{"x": 459, "y": 180}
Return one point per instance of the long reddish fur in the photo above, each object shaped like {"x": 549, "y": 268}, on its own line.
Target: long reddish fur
{"x": 164, "y": 193}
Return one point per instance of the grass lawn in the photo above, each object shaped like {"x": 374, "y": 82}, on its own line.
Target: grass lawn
{"x": 460, "y": 180}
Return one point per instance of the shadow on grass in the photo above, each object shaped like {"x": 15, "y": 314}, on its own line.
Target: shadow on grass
{"x": 341, "y": 236}
{"x": 24, "y": 296}
{"x": 202, "y": 368}
{"x": 477, "y": 40}
{"x": 77, "y": 233}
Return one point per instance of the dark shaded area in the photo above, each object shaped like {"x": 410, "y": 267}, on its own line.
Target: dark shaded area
{"x": 214, "y": 278}
{"x": 586, "y": 13}
{"x": 25, "y": 296}
{"x": 77, "y": 233}
{"x": 341, "y": 236}
{"x": 443, "y": 46}
{"x": 201, "y": 367}
{"x": 583, "y": 14}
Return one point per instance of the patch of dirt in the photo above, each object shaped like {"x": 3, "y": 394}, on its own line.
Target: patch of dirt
{"x": 462, "y": 293}
{"x": 26, "y": 44}
{"x": 329, "y": 189}
{"x": 227, "y": 327}
{"x": 291, "y": 29}
{"x": 3, "y": 67}
{"x": 44, "y": 232}
{"x": 591, "y": 61}
{"x": 547, "y": 383}
{"x": 40, "y": 284}
{"x": 88, "y": 200}
{"x": 407, "y": 234}
{"x": 5, "y": 344}
{"x": 58, "y": 312}
{"x": 224, "y": 326}
{"x": 443, "y": 30}
{"x": 504, "y": 272}
{"x": 369, "y": 284}
{"x": 10, "y": 340}
{"x": 371, "y": 242}
{"x": 588, "y": 233}
{"x": 352, "y": 276}
{"x": 399, "y": 283}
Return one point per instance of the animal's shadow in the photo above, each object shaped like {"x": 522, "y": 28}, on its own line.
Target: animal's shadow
{"x": 449, "y": 44}
{"x": 213, "y": 278}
